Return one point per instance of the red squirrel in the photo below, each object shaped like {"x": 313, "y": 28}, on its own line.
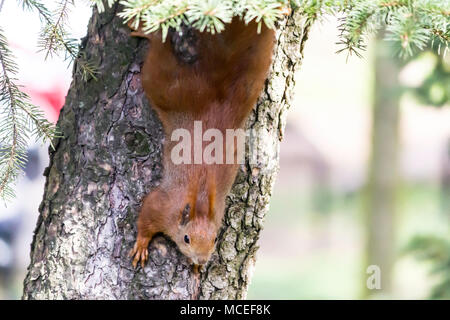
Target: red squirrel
{"x": 215, "y": 79}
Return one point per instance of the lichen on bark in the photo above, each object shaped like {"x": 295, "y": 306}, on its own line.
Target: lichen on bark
{"x": 110, "y": 157}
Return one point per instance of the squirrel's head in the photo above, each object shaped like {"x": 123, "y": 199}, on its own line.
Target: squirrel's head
{"x": 197, "y": 234}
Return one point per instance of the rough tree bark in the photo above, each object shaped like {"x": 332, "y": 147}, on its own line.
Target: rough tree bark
{"x": 108, "y": 160}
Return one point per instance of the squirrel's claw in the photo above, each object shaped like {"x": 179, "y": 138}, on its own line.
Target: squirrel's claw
{"x": 139, "y": 253}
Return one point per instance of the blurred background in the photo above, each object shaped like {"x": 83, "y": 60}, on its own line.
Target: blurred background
{"x": 364, "y": 172}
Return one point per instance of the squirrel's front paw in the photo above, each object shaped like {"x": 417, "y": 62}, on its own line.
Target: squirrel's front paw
{"x": 140, "y": 251}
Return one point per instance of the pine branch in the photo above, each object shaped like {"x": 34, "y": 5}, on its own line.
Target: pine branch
{"x": 55, "y": 32}
{"x": 411, "y": 24}
{"x": 12, "y": 138}
{"x": 31, "y": 5}
{"x": 100, "y": 6}
{"x": 19, "y": 119}
{"x": 204, "y": 15}
{"x": 54, "y": 38}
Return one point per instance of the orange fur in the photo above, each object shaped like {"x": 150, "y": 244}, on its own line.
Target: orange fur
{"x": 220, "y": 89}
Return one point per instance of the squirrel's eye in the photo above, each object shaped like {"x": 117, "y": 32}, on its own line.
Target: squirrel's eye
{"x": 186, "y": 239}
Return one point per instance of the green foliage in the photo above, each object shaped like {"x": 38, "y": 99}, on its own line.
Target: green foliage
{"x": 54, "y": 39}
{"x": 437, "y": 251}
{"x": 411, "y": 25}
{"x": 435, "y": 89}
{"x": 209, "y": 15}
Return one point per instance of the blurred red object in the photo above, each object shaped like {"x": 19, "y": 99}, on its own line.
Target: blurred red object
{"x": 50, "y": 100}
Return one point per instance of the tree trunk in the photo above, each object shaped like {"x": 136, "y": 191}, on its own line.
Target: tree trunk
{"x": 109, "y": 159}
{"x": 445, "y": 182}
{"x": 383, "y": 182}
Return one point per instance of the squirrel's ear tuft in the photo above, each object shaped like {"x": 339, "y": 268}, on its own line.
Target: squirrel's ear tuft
{"x": 185, "y": 215}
